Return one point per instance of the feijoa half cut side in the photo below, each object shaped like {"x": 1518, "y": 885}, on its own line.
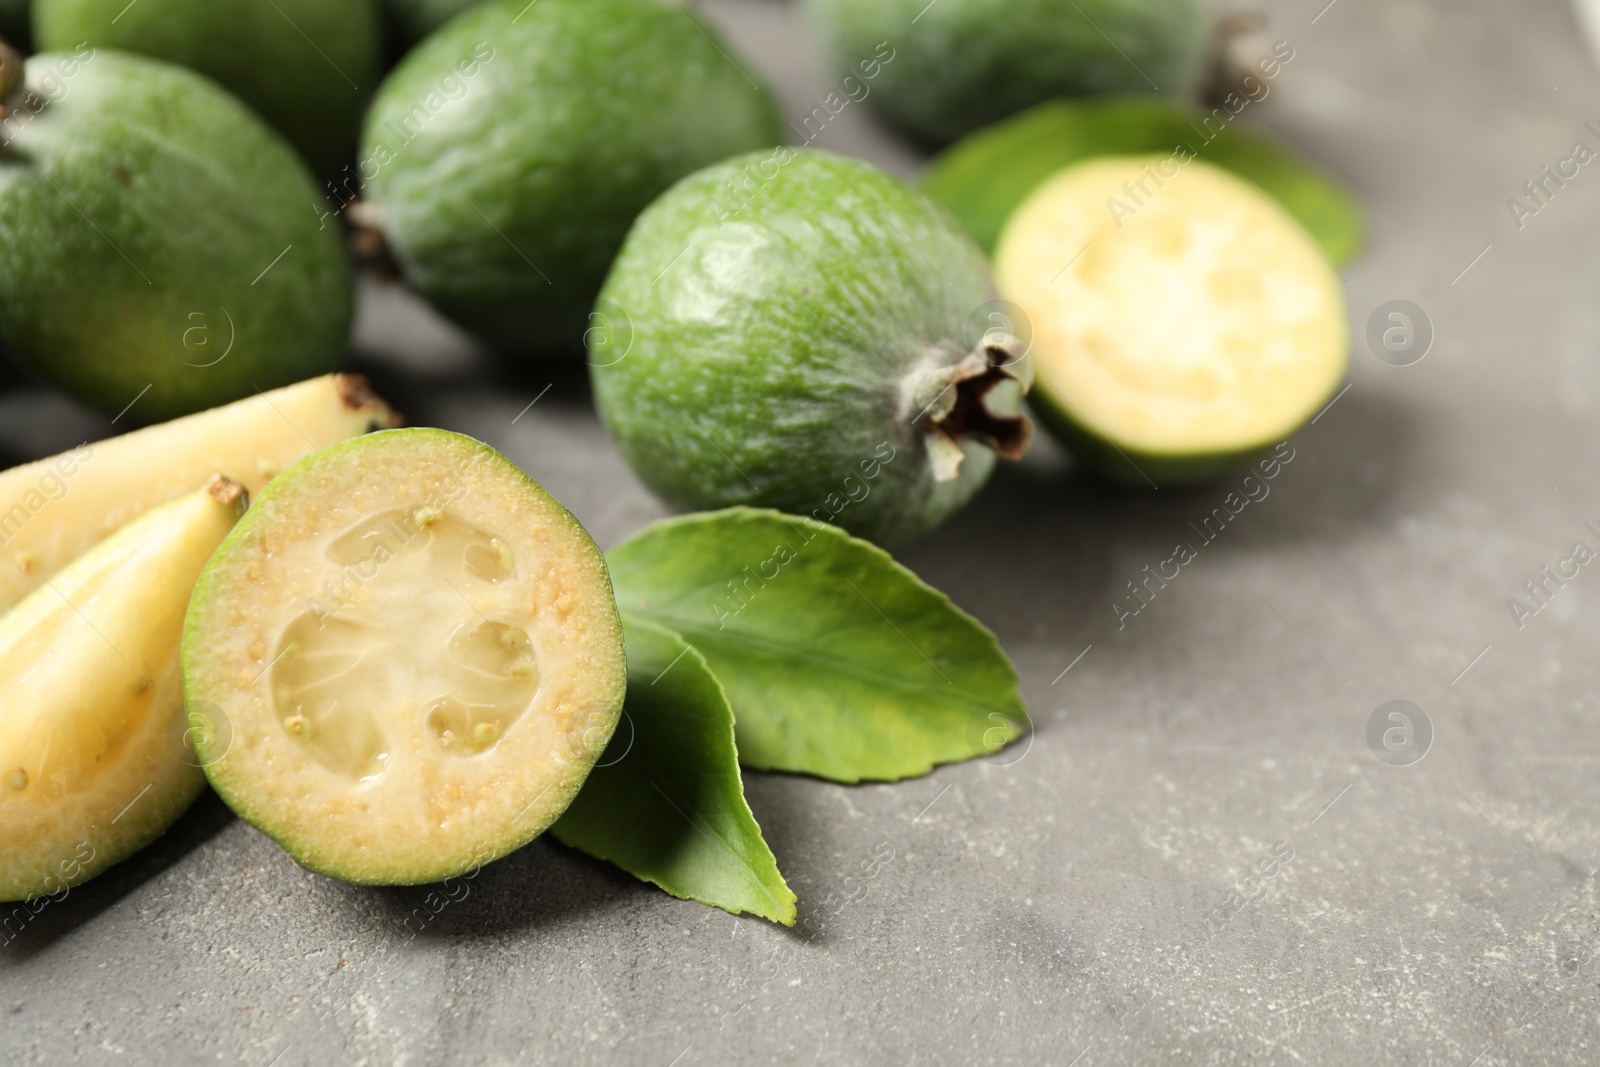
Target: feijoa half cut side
{"x": 93, "y": 759}
{"x": 417, "y": 655}
{"x": 1182, "y": 325}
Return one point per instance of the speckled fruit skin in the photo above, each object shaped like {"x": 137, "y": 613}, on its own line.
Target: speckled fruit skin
{"x": 412, "y": 20}
{"x": 508, "y": 153}
{"x": 141, "y": 214}
{"x": 961, "y": 64}
{"x": 306, "y": 66}
{"x": 756, "y": 357}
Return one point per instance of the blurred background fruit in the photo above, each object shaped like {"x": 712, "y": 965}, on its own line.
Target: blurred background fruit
{"x": 507, "y": 155}
{"x": 307, "y": 66}
{"x": 960, "y": 64}
{"x": 160, "y": 246}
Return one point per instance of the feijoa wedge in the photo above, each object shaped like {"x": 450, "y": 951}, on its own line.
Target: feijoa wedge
{"x": 53, "y": 510}
{"x": 1181, "y": 324}
{"x": 416, "y": 652}
{"x": 93, "y": 761}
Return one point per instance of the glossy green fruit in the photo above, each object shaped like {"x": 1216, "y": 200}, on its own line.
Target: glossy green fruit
{"x": 160, "y": 246}
{"x": 1181, "y": 325}
{"x": 798, "y": 330}
{"x": 306, "y": 66}
{"x": 983, "y": 178}
{"x": 952, "y": 66}
{"x": 412, "y": 20}
{"x": 416, "y": 653}
{"x": 507, "y": 155}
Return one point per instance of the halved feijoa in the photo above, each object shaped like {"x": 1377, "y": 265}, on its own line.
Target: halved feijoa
{"x": 417, "y": 655}
{"x": 93, "y": 761}
{"x": 1181, "y": 324}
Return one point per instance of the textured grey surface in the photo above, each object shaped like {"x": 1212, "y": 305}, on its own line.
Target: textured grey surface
{"x": 1073, "y": 906}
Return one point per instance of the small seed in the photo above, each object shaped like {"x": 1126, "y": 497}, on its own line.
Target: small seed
{"x": 485, "y": 732}
{"x": 17, "y": 778}
{"x": 427, "y": 515}
{"x": 296, "y": 725}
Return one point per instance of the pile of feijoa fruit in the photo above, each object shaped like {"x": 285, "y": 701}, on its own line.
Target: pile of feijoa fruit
{"x": 389, "y": 648}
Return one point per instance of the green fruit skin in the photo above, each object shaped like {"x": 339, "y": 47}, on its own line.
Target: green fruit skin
{"x": 14, "y": 23}
{"x": 961, "y": 64}
{"x": 1134, "y": 467}
{"x": 757, "y": 357}
{"x": 508, "y": 153}
{"x": 141, "y": 213}
{"x": 412, "y": 20}
{"x": 306, "y": 66}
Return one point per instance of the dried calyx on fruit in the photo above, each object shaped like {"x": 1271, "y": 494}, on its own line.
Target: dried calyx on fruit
{"x": 830, "y": 346}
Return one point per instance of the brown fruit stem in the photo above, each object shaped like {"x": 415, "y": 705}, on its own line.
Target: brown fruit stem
{"x": 952, "y": 405}
{"x": 367, "y": 240}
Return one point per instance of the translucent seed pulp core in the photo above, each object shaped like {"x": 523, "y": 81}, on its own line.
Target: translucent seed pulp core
{"x": 403, "y": 644}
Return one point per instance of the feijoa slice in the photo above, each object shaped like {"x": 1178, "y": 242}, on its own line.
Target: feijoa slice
{"x": 1181, "y": 323}
{"x": 417, "y": 654}
{"x": 93, "y": 764}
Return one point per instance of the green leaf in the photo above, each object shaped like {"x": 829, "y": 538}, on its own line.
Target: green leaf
{"x": 665, "y": 802}
{"x": 985, "y": 176}
{"x": 839, "y": 662}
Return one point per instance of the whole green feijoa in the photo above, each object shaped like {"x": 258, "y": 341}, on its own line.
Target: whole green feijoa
{"x": 508, "y": 153}
{"x": 306, "y": 66}
{"x": 941, "y": 70}
{"x": 797, "y": 330}
{"x": 160, "y": 246}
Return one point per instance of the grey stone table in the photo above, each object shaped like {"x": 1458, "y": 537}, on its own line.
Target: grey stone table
{"x": 1199, "y": 857}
